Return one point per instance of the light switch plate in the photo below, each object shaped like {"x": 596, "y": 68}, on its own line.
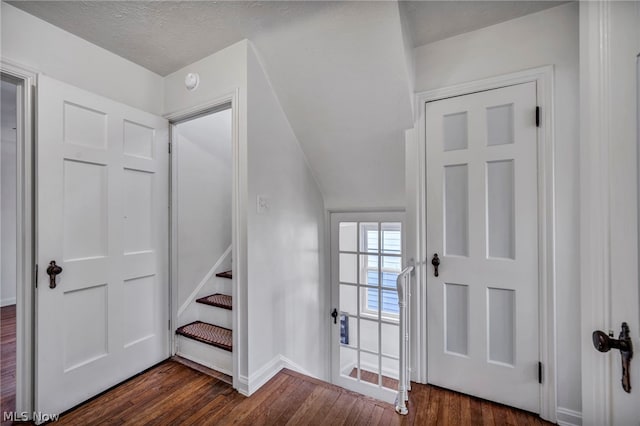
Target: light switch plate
{"x": 263, "y": 204}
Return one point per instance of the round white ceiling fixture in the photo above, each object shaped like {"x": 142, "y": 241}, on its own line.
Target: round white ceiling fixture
{"x": 191, "y": 81}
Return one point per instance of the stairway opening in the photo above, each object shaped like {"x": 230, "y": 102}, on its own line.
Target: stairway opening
{"x": 202, "y": 238}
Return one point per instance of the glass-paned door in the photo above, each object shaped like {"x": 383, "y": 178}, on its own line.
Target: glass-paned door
{"x": 366, "y": 258}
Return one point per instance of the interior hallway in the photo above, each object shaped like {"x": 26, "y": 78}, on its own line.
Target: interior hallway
{"x": 172, "y": 393}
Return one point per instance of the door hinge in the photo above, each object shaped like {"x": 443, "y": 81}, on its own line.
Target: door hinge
{"x": 169, "y": 324}
{"x": 169, "y": 147}
{"x": 540, "y": 372}
{"x": 537, "y": 116}
{"x": 36, "y": 275}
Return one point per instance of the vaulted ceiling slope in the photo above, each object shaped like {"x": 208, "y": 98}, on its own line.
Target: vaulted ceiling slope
{"x": 430, "y": 21}
{"x": 342, "y": 79}
{"x": 341, "y": 70}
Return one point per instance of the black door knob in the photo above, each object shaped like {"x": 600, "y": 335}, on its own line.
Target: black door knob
{"x": 435, "y": 262}
{"x": 53, "y": 270}
{"x": 334, "y": 314}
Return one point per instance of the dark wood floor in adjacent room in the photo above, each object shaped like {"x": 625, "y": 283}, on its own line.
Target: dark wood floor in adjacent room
{"x": 7, "y": 359}
{"x": 173, "y": 394}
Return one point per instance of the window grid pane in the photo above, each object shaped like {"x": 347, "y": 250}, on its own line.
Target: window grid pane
{"x": 373, "y": 272}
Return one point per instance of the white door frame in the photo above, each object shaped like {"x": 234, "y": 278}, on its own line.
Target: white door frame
{"x": 362, "y": 215}
{"x": 25, "y": 229}
{"x": 237, "y": 251}
{"x": 543, "y": 76}
{"x": 598, "y": 132}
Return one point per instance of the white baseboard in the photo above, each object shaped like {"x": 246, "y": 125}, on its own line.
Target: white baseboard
{"x": 8, "y": 301}
{"x": 567, "y": 417}
{"x": 243, "y": 385}
{"x": 287, "y": 363}
{"x": 264, "y": 374}
{"x": 247, "y": 386}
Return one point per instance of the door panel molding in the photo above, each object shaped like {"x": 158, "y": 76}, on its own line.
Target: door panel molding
{"x": 544, "y": 79}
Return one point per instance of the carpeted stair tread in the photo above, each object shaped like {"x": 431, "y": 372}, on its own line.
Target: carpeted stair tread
{"x": 219, "y": 300}
{"x": 225, "y": 274}
{"x": 208, "y": 333}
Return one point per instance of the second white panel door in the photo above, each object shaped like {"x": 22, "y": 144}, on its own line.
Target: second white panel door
{"x": 482, "y": 222}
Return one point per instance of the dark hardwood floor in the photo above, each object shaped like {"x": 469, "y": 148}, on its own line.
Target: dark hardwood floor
{"x": 7, "y": 360}
{"x": 173, "y": 393}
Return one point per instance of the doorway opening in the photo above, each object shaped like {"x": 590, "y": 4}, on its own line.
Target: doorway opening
{"x": 8, "y": 239}
{"x": 367, "y": 255}
{"x": 17, "y": 232}
{"x": 201, "y": 233}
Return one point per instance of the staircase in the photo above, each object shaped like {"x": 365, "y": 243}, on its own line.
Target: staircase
{"x": 208, "y": 340}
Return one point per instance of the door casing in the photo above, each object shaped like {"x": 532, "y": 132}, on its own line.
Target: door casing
{"x": 25, "y": 273}
{"x": 609, "y": 40}
{"x": 237, "y": 251}
{"x": 416, "y": 149}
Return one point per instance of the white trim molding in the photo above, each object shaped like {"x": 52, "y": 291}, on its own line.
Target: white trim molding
{"x": 238, "y": 225}
{"x": 207, "y": 277}
{"x": 544, "y": 79}
{"x": 567, "y": 417}
{"x": 265, "y": 373}
{"x": 8, "y": 301}
{"x": 595, "y": 263}
{"x": 25, "y": 297}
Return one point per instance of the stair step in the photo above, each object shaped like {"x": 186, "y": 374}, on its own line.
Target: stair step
{"x": 208, "y": 333}
{"x": 225, "y": 274}
{"x": 219, "y": 300}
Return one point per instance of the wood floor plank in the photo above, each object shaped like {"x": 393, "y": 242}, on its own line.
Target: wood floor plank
{"x": 172, "y": 393}
{"x": 487, "y": 414}
{"x": 435, "y": 406}
{"x": 376, "y": 416}
{"x": 340, "y": 410}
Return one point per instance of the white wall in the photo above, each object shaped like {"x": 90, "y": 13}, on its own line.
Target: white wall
{"x": 8, "y": 220}
{"x": 547, "y": 37}
{"x": 203, "y": 168}
{"x": 36, "y": 44}
{"x": 288, "y": 310}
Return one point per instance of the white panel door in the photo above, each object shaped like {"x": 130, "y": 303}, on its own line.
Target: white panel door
{"x": 366, "y": 258}
{"x": 482, "y": 222}
{"x": 103, "y": 217}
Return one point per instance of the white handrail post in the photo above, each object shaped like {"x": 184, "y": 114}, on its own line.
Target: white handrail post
{"x": 404, "y": 379}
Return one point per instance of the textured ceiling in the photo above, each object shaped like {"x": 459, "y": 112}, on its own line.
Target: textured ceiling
{"x": 164, "y": 36}
{"x": 430, "y": 21}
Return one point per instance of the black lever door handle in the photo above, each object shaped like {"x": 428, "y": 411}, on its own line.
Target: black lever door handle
{"x": 334, "y": 314}
{"x": 604, "y": 343}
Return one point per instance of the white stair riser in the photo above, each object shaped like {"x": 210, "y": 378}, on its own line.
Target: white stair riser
{"x": 214, "y": 315}
{"x": 207, "y": 355}
{"x": 216, "y": 285}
